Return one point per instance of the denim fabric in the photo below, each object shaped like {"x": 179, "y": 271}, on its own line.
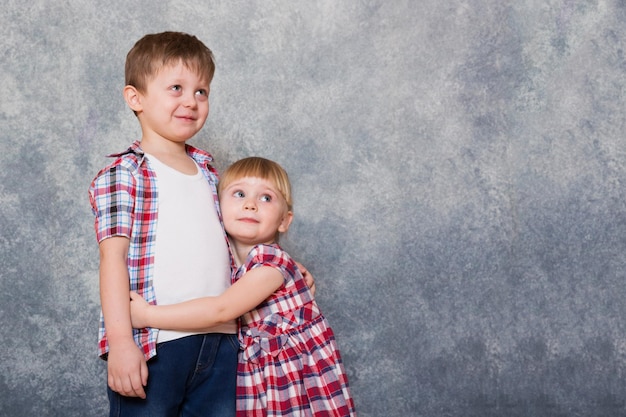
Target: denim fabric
{"x": 189, "y": 377}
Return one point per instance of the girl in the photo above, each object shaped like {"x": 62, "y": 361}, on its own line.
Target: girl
{"x": 289, "y": 363}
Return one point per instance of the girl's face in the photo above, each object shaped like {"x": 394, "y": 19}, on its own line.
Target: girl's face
{"x": 254, "y": 211}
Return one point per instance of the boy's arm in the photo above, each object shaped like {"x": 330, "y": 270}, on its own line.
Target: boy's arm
{"x": 127, "y": 369}
{"x": 244, "y": 295}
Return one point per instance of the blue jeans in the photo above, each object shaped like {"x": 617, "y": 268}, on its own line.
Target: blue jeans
{"x": 189, "y": 377}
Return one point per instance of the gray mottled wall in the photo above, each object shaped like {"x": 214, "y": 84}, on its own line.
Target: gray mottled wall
{"x": 459, "y": 171}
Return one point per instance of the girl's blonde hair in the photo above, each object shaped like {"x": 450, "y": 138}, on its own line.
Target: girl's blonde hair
{"x": 258, "y": 167}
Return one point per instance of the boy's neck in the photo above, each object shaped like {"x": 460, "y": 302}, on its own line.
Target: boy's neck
{"x": 172, "y": 154}
{"x": 162, "y": 146}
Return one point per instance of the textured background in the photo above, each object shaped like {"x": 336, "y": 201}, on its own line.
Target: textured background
{"x": 459, "y": 171}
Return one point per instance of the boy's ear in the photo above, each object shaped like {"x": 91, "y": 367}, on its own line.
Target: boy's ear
{"x": 284, "y": 224}
{"x": 132, "y": 97}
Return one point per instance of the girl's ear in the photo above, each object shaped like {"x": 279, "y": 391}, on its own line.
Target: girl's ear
{"x": 286, "y": 221}
{"x": 133, "y": 98}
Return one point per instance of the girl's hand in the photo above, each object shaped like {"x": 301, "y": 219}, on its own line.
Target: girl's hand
{"x": 138, "y": 311}
{"x": 308, "y": 277}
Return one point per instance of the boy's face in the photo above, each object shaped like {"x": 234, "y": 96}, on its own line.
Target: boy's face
{"x": 174, "y": 105}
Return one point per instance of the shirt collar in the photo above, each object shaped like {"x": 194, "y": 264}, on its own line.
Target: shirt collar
{"x": 200, "y": 156}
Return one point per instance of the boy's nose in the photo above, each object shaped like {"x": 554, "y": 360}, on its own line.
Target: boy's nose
{"x": 190, "y": 100}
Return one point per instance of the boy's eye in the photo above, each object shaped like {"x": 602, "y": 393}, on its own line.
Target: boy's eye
{"x": 266, "y": 198}
{"x": 176, "y": 88}
{"x": 238, "y": 194}
{"x": 202, "y": 95}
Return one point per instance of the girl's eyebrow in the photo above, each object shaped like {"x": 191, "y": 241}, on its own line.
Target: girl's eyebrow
{"x": 233, "y": 184}
{"x": 269, "y": 188}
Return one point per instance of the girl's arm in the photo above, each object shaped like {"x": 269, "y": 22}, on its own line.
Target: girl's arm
{"x": 193, "y": 315}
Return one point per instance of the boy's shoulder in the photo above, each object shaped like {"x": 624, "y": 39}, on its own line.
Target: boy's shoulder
{"x": 204, "y": 160}
{"x": 199, "y": 155}
{"x": 128, "y": 160}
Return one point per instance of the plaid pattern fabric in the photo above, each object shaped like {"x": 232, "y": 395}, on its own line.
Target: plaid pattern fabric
{"x": 290, "y": 364}
{"x": 124, "y": 200}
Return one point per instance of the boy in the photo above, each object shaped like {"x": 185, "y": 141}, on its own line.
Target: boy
{"x": 160, "y": 233}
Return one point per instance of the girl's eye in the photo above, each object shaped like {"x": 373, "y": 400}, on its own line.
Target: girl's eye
{"x": 238, "y": 194}
{"x": 266, "y": 198}
{"x": 176, "y": 88}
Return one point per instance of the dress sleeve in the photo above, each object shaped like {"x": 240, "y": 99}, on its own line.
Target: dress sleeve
{"x": 112, "y": 197}
{"x": 272, "y": 256}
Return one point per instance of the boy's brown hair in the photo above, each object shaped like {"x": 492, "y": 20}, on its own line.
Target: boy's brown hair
{"x": 154, "y": 51}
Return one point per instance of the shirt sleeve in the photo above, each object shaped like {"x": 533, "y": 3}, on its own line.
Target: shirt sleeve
{"x": 112, "y": 196}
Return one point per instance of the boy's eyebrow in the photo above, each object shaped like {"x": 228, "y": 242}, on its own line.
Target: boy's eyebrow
{"x": 181, "y": 79}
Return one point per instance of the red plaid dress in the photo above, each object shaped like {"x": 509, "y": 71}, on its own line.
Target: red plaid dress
{"x": 290, "y": 364}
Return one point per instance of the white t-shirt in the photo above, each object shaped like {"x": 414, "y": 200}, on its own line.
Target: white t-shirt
{"x": 191, "y": 258}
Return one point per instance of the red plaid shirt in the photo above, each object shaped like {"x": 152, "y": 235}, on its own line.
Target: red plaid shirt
{"x": 124, "y": 200}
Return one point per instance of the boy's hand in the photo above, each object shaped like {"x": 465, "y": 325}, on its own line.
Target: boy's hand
{"x": 138, "y": 311}
{"x": 308, "y": 277}
{"x": 127, "y": 370}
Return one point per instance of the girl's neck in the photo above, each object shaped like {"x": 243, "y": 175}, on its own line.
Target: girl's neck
{"x": 242, "y": 249}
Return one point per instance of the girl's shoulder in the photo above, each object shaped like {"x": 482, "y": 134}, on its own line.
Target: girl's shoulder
{"x": 268, "y": 250}
{"x": 270, "y": 255}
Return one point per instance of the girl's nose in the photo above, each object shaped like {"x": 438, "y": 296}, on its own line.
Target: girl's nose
{"x": 249, "y": 204}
